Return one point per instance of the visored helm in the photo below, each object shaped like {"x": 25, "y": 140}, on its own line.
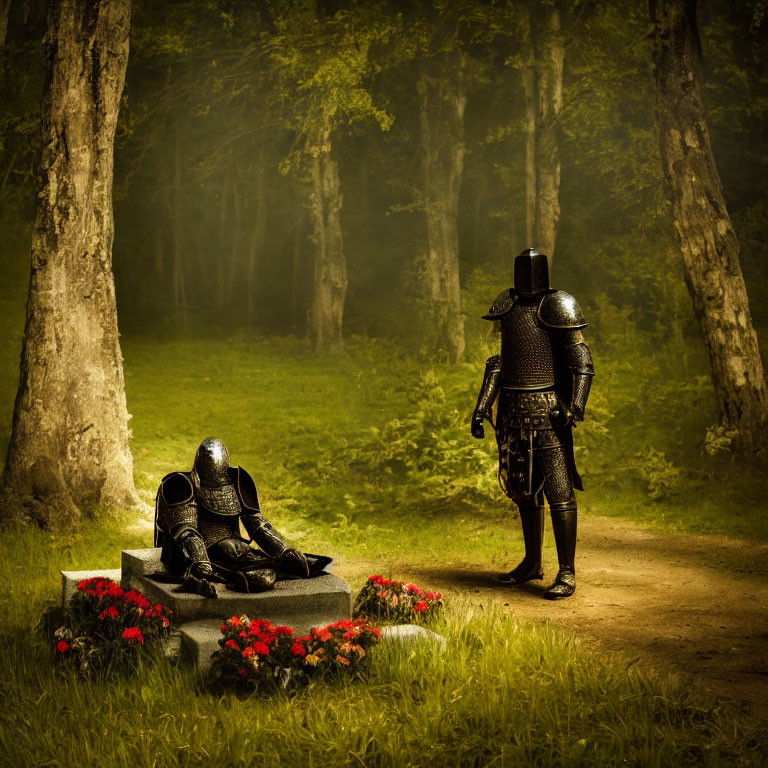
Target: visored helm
{"x": 212, "y": 462}
{"x": 531, "y": 273}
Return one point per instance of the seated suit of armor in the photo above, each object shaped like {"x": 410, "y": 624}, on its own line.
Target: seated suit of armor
{"x": 197, "y": 525}
{"x": 541, "y": 383}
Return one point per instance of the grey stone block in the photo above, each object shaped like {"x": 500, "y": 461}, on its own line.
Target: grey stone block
{"x": 70, "y": 580}
{"x": 409, "y": 634}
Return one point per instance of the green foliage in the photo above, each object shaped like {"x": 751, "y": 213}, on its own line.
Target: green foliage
{"x": 108, "y": 630}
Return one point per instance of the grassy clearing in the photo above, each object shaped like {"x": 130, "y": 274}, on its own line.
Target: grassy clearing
{"x": 369, "y": 455}
{"x": 502, "y": 693}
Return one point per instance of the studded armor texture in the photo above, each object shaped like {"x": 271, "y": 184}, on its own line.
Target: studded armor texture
{"x": 219, "y": 499}
{"x": 214, "y": 527}
{"x": 527, "y": 357}
{"x": 174, "y": 517}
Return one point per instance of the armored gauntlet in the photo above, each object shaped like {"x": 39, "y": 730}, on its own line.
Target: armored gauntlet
{"x": 582, "y": 371}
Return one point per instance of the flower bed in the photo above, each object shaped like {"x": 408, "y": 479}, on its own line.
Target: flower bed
{"x": 258, "y": 654}
{"x": 107, "y": 628}
{"x": 396, "y": 601}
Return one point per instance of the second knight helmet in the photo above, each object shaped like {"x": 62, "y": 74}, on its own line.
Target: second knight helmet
{"x": 531, "y": 273}
{"x": 212, "y": 462}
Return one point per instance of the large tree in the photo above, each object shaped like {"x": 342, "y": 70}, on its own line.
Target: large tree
{"x": 442, "y": 92}
{"x": 69, "y": 447}
{"x": 706, "y": 235}
{"x": 324, "y": 54}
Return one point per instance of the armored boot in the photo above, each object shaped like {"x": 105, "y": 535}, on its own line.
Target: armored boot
{"x": 532, "y": 519}
{"x": 564, "y": 528}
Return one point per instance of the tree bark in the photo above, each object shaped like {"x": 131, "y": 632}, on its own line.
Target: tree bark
{"x": 69, "y": 448}
{"x": 330, "y": 278}
{"x": 543, "y": 89}
{"x": 5, "y": 9}
{"x": 443, "y": 100}
{"x": 707, "y": 239}
{"x": 258, "y": 237}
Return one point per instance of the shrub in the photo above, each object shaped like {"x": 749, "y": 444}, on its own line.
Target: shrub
{"x": 396, "y": 601}
{"x": 108, "y": 629}
{"x": 256, "y": 654}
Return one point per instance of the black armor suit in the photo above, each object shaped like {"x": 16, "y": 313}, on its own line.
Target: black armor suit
{"x": 540, "y": 383}
{"x": 197, "y": 525}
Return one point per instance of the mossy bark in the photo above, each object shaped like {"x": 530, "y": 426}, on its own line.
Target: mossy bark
{"x": 442, "y": 103}
{"x": 69, "y": 448}
{"x": 706, "y": 235}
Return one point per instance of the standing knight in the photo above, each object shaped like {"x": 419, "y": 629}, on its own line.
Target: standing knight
{"x": 197, "y": 525}
{"x": 541, "y": 380}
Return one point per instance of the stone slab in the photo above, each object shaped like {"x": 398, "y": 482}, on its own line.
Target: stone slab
{"x": 70, "y": 580}
{"x": 296, "y": 603}
{"x": 410, "y": 634}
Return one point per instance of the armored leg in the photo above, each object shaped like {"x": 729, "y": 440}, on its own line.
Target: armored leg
{"x": 532, "y": 519}
{"x": 558, "y": 489}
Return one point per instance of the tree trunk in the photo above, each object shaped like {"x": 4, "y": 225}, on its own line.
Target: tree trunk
{"x": 442, "y": 141}
{"x": 258, "y": 237}
{"x": 5, "y": 9}
{"x": 543, "y": 89}
{"x": 330, "y": 281}
{"x": 179, "y": 284}
{"x": 69, "y": 445}
{"x": 704, "y": 229}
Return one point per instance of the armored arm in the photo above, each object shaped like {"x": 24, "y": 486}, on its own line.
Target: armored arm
{"x": 488, "y": 392}
{"x": 177, "y": 516}
{"x": 560, "y": 314}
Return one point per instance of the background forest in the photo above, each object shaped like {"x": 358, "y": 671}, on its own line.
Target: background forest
{"x": 314, "y": 203}
{"x": 406, "y": 126}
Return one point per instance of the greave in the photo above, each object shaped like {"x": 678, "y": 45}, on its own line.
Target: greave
{"x": 532, "y": 519}
{"x": 564, "y": 528}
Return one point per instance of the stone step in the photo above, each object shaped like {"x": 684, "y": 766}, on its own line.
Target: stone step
{"x": 70, "y": 580}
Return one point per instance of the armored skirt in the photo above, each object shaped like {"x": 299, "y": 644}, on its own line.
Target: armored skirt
{"x": 534, "y": 455}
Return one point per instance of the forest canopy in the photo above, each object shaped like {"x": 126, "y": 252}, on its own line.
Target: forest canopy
{"x": 227, "y": 106}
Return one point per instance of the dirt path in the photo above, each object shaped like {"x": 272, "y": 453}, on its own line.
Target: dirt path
{"x": 696, "y": 606}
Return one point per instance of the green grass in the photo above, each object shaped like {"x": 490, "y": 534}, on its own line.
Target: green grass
{"x": 368, "y": 455}
{"x": 501, "y": 693}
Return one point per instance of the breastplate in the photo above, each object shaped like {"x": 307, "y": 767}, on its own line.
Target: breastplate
{"x": 219, "y": 499}
{"x": 527, "y": 359}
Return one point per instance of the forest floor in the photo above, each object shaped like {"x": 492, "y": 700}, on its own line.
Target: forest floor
{"x": 695, "y": 606}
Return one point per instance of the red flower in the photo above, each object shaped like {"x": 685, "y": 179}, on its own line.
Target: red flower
{"x": 232, "y": 644}
{"x": 242, "y": 672}
{"x": 283, "y": 630}
{"x": 261, "y": 648}
{"x": 323, "y": 635}
{"x": 351, "y": 635}
{"x": 248, "y": 652}
{"x": 374, "y": 631}
{"x": 297, "y": 649}
{"x": 133, "y": 635}
{"x": 223, "y": 627}
{"x": 438, "y": 596}
{"x": 62, "y": 646}
{"x": 420, "y": 607}
{"x": 110, "y": 612}
{"x": 136, "y": 598}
